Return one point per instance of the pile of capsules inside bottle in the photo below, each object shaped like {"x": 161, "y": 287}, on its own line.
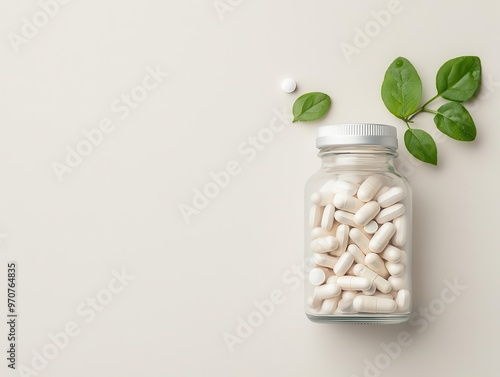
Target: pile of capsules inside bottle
{"x": 358, "y": 234}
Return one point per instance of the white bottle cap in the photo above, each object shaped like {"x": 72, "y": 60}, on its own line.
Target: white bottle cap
{"x": 357, "y": 134}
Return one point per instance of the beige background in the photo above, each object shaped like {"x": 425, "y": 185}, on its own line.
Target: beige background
{"x": 119, "y": 209}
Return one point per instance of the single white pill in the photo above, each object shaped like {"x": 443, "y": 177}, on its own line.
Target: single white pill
{"x": 325, "y": 260}
{"x": 370, "y": 187}
{"x": 380, "y": 192}
{"x": 324, "y": 244}
{"x": 318, "y": 275}
{"x": 371, "y": 304}
{"x": 403, "y": 300}
{"x": 359, "y": 256}
{"x": 345, "y": 188}
{"x": 353, "y": 283}
{"x": 345, "y": 304}
{"x": 342, "y": 236}
{"x": 381, "y": 239}
{"x": 328, "y": 219}
{"x": 360, "y": 240}
{"x": 399, "y": 282}
{"x": 345, "y": 218}
{"x": 315, "y": 216}
{"x": 347, "y": 203}
{"x": 327, "y": 291}
{"x": 319, "y": 232}
{"x": 391, "y": 254}
{"x": 390, "y": 213}
{"x": 382, "y": 285}
{"x": 344, "y": 263}
{"x": 366, "y": 213}
{"x": 322, "y": 198}
{"x": 329, "y": 305}
{"x": 395, "y": 269}
{"x": 288, "y": 85}
{"x": 394, "y": 195}
{"x": 375, "y": 263}
{"x": 370, "y": 291}
{"x": 371, "y": 227}
{"x": 401, "y": 224}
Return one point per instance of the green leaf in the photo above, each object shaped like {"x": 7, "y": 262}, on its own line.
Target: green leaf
{"x": 421, "y": 145}
{"x": 311, "y": 106}
{"x": 458, "y": 79}
{"x": 402, "y": 88}
{"x": 454, "y": 120}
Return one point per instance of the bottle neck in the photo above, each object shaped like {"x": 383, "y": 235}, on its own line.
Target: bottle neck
{"x": 374, "y": 158}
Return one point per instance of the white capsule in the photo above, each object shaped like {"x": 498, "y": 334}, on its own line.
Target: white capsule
{"x": 371, "y": 227}
{"x": 390, "y": 213}
{"x": 358, "y": 179}
{"x": 384, "y": 295}
{"x": 370, "y": 291}
{"x": 328, "y": 219}
{"x": 318, "y": 275}
{"x": 391, "y": 197}
{"x": 399, "y": 282}
{"x": 380, "y": 192}
{"x": 404, "y": 258}
{"x": 401, "y": 225}
{"x": 359, "y": 256}
{"x": 322, "y": 198}
{"x": 313, "y": 302}
{"x": 315, "y": 216}
{"x": 381, "y": 239}
{"x": 345, "y": 304}
{"x": 288, "y": 85}
{"x": 327, "y": 291}
{"x": 375, "y": 263}
{"x": 370, "y": 187}
{"x": 360, "y": 239}
{"x": 403, "y": 300}
{"x": 329, "y": 305}
{"x": 392, "y": 254}
{"x": 395, "y": 269}
{"x": 367, "y": 213}
{"x": 324, "y": 244}
{"x": 344, "y": 263}
{"x": 353, "y": 283}
{"x": 350, "y": 271}
{"x": 342, "y": 236}
{"x": 345, "y": 188}
{"x": 345, "y": 218}
{"x": 347, "y": 203}
{"x": 382, "y": 285}
{"x": 325, "y": 260}
{"x": 319, "y": 232}
{"x": 371, "y": 304}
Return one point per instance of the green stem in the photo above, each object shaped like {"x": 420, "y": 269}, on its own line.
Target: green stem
{"x": 430, "y": 111}
{"x": 423, "y": 107}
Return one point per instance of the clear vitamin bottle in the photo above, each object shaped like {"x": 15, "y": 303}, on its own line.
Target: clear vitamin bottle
{"x": 358, "y": 228}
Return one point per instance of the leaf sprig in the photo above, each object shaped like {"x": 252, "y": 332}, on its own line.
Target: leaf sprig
{"x": 456, "y": 81}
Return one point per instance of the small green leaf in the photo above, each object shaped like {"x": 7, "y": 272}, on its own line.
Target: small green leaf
{"x": 458, "y": 79}
{"x": 454, "y": 120}
{"x": 311, "y": 106}
{"x": 421, "y": 145}
{"x": 402, "y": 88}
